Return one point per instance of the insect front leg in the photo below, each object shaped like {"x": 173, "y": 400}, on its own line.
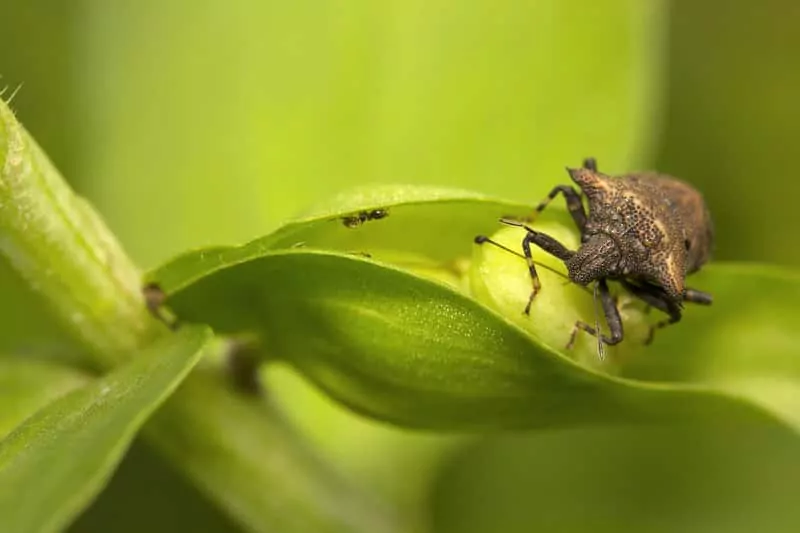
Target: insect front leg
{"x": 549, "y": 245}
{"x": 482, "y": 239}
{"x": 613, "y": 319}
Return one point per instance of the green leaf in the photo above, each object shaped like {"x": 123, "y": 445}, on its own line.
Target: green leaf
{"x": 412, "y": 351}
{"x": 660, "y": 479}
{"x": 745, "y": 344}
{"x": 75, "y": 442}
{"x": 27, "y": 384}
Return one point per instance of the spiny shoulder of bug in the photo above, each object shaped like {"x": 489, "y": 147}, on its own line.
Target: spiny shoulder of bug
{"x": 633, "y": 231}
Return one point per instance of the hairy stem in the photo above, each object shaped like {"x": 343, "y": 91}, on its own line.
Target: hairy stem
{"x": 56, "y": 241}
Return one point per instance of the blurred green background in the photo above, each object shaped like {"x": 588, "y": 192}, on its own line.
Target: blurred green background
{"x": 200, "y": 122}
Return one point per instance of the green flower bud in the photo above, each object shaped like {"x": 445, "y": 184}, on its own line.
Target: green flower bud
{"x": 501, "y": 280}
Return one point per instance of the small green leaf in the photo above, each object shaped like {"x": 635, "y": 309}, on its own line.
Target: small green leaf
{"x": 27, "y": 384}
{"x": 57, "y": 461}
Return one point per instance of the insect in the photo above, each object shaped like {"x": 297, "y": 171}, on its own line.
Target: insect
{"x": 154, "y": 298}
{"x": 647, "y": 231}
{"x": 354, "y": 221}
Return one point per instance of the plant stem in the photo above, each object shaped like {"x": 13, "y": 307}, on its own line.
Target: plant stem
{"x": 56, "y": 241}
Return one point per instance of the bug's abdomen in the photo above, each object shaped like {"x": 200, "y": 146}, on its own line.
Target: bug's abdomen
{"x": 690, "y": 207}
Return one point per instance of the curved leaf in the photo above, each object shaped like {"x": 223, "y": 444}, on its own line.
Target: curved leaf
{"x": 407, "y": 232}
{"x": 689, "y": 478}
{"x": 745, "y": 344}
{"x": 75, "y": 442}
{"x": 26, "y": 385}
{"x": 412, "y": 351}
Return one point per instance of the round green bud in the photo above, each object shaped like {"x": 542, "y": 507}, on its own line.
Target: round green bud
{"x": 501, "y": 280}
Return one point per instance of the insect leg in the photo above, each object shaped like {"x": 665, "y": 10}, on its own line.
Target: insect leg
{"x": 483, "y": 239}
{"x": 574, "y": 204}
{"x": 655, "y": 297}
{"x": 526, "y": 248}
{"x": 697, "y": 297}
{"x": 549, "y": 245}
{"x": 537, "y": 285}
{"x": 612, "y": 319}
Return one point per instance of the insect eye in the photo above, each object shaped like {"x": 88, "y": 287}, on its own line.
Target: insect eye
{"x": 687, "y": 244}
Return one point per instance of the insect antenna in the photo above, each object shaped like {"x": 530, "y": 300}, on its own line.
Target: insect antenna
{"x": 482, "y": 239}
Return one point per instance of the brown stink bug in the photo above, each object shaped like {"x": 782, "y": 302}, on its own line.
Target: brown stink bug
{"x": 647, "y": 231}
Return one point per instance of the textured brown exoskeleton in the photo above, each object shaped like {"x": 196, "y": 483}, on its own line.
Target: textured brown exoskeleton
{"x": 647, "y": 231}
